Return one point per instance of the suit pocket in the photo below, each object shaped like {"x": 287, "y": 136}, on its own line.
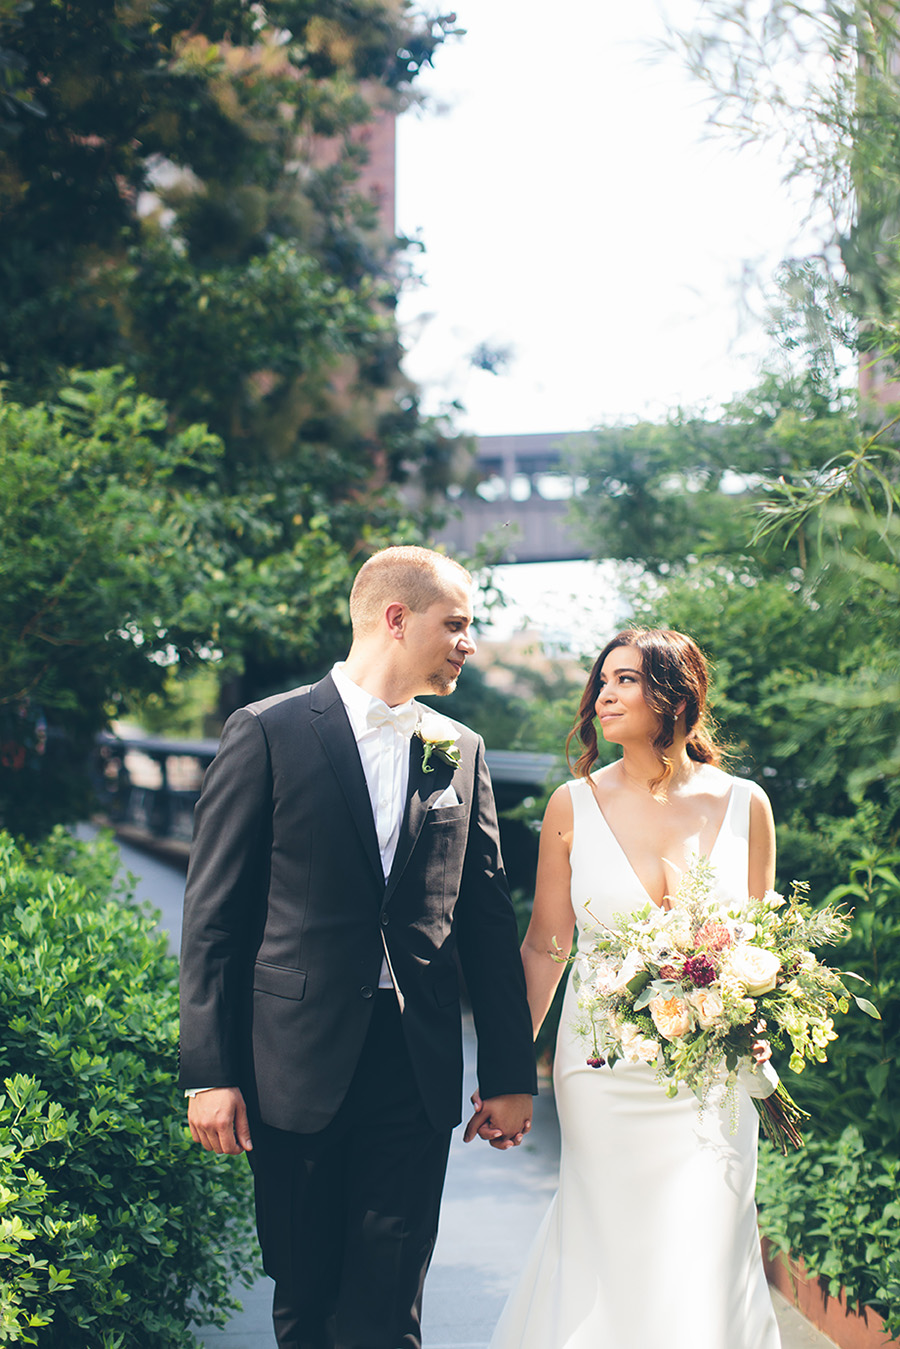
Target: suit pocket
{"x": 439, "y": 815}
{"x": 278, "y": 980}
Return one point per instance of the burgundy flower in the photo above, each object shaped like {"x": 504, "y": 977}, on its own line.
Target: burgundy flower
{"x": 700, "y": 971}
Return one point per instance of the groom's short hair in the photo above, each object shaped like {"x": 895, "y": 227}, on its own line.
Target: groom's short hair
{"x": 416, "y": 577}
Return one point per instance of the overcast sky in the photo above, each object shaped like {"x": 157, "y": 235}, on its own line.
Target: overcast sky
{"x": 575, "y": 210}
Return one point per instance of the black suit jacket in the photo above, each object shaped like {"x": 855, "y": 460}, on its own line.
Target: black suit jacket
{"x": 286, "y": 906}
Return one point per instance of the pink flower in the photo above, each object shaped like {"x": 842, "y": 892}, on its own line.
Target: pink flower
{"x": 714, "y": 936}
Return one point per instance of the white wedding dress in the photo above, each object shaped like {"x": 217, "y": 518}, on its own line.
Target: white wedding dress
{"x": 651, "y": 1240}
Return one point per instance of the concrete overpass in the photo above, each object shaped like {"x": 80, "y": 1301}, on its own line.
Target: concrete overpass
{"x": 523, "y": 489}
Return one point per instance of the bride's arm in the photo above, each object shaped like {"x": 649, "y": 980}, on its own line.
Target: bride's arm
{"x": 761, "y": 878}
{"x": 552, "y": 920}
{"x": 761, "y": 875}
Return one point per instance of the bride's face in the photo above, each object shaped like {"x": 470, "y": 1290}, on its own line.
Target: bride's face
{"x": 622, "y": 710}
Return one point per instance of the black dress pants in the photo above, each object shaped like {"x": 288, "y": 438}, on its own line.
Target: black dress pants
{"x": 347, "y": 1217}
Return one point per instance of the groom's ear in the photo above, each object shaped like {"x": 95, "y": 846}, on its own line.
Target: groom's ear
{"x": 395, "y": 619}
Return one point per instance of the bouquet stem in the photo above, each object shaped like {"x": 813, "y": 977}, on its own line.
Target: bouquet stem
{"x": 780, "y": 1116}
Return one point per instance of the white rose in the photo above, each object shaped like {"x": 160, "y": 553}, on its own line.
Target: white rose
{"x": 754, "y": 967}
{"x": 637, "y": 1047}
{"x": 772, "y": 899}
{"x": 433, "y": 728}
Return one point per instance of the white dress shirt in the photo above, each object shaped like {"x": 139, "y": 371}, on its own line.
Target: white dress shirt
{"x": 384, "y": 754}
{"x": 385, "y": 760}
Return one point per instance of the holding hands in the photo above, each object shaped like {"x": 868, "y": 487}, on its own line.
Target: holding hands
{"x": 502, "y": 1121}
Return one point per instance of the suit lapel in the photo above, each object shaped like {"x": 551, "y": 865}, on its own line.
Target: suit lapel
{"x": 332, "y": 727}
{"x": 421, "y": 789}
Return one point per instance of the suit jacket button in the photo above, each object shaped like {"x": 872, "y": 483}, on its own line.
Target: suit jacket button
{"x": 385, "y": 919}
{"x": 366, "y": 991}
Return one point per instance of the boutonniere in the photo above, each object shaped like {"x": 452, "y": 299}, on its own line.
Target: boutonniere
{"x": 439, "y": 736}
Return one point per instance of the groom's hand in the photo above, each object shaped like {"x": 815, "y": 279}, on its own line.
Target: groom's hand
{"x": 502, "y": 1121}
{"x": 218, "y": 1120}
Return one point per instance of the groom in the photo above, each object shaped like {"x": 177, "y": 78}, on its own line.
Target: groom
{"x": 345, "y": 853}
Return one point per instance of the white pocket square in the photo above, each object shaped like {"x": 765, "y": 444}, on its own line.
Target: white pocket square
{"x": 447, "y": 797}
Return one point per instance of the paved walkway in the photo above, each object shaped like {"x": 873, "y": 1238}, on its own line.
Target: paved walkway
{"x": 493, "y": 1203}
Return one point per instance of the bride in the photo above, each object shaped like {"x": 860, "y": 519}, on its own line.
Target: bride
{"x": 651, "y": 1239}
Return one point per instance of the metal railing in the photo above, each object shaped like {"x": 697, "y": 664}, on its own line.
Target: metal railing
{"x": 151, "y": 783}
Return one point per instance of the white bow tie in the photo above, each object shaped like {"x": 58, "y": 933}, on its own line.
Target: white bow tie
{"x": 404, "y": 720}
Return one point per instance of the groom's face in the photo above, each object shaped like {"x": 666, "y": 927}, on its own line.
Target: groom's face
{"x": 438, "y": 640}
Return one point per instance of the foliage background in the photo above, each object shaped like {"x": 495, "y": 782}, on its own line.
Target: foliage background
{"x": 183, "y": 226}
{"x": 116, "y": 1231}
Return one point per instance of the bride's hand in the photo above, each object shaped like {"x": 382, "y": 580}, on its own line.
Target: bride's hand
{"x": 760, "y": 1050}
{"x": 483, "y": 1125}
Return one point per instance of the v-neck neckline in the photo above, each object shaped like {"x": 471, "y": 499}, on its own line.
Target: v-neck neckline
{"x": 628, "y": 862}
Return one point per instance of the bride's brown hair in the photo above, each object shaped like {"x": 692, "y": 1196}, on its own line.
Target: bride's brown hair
{"x": 673, "y": 670}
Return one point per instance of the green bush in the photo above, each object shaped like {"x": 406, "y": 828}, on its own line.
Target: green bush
{"x": 858, "y": 1086}
{"x": 116, "y": 1231}
{"x": 836, "y": 1204}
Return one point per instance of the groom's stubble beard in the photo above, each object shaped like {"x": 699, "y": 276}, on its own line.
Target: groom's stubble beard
{"x": 441, "y": 684}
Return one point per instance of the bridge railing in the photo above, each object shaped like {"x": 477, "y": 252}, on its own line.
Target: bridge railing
{"x": 150, "y": 784}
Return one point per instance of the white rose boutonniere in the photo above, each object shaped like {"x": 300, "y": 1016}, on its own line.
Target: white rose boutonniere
{"x": 439, "y": 736}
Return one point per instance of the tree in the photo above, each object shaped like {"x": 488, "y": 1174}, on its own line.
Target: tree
{"x": 122, "y": 558}
{"x": 823, "y": 81}
{"x": 661, "y": 494}
{"x": 789, "y": 581}
{"x": 178, "y": 196}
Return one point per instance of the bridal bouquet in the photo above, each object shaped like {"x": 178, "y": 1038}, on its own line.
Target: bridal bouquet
{"x": 692, "y": 987}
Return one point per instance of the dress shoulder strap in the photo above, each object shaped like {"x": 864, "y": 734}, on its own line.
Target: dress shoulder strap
{"x": 739, "y": 808}
{"x": 583, "y": 804}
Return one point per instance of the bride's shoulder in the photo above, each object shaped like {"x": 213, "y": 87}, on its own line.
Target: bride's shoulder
{"x": 559, "y": 814}
{"x": 561, "y": 797}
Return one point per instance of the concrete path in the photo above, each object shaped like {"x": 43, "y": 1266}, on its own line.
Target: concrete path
{"x": 493, "y": 1203}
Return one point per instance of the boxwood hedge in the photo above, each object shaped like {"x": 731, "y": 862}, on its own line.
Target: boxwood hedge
{"x": 116, "y": 1231}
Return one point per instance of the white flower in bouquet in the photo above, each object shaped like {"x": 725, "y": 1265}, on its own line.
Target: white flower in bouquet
{"x": 601, "y": 975}
{"x": 756, "y": 968}
{"x": 677, "y": 927}
{"x": 708, "y": 1007}
{"x": 636, "y": 1046}
{"x": 690, "y": 988}
{"x": 631, "y": 967}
